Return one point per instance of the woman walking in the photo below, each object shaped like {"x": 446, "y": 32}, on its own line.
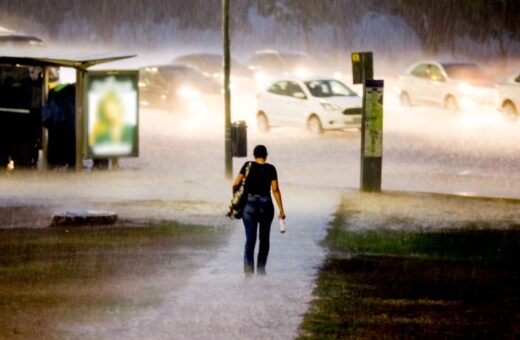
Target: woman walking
{"x": 261, "y": 179}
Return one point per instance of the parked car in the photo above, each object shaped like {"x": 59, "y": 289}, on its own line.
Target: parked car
{"x": 175, "y": 87}
{"x": 452, "y": 85}
{"x": 315, "y": 103}
{"x": 211, "y": 65}
{"x": 509, "y": 97}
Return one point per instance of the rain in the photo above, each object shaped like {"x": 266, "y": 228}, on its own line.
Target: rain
{"x": 178, "y": 174}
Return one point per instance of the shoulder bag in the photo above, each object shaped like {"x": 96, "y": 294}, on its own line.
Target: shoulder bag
{"x": 239, "y": 200}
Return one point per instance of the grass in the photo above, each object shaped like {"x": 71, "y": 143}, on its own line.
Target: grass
{"x": 441, "y": 244}
{"x": 415, "y": 284}
{"x": 57, "y": 276}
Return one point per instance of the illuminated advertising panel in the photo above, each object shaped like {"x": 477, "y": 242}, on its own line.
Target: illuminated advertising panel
{"x": 112, "y": 114}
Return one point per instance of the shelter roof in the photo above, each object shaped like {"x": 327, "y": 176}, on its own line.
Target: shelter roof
{"x": 50, "y": 57}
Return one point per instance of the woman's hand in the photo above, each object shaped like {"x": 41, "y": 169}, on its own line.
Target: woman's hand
{"x": 278, "y": 197}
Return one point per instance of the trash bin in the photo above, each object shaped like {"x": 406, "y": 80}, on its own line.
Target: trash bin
{"x": 239, "y": 139}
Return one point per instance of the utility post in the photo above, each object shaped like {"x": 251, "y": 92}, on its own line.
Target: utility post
{"x": 372, "y": 122}
{"x": 80, "y": 118}
{"x": 228, "y": 160}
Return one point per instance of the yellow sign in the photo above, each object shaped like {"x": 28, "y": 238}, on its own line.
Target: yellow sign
{"x": 355, "y": 58}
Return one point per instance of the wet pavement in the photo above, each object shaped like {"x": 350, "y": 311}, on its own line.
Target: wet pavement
{"x": 219, "y": 302}
{"x": 180, "y": 176}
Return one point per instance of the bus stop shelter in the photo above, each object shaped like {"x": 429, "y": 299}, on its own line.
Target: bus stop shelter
{"x": 44, "y": 60}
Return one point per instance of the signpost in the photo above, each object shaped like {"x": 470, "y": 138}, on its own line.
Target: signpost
{"x": 372, "y": 122}
{"x": 362, "y": 67}
{"x": 372, "y": 152}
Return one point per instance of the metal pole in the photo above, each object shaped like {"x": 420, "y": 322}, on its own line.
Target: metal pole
{"x": 227, "y": 94}
{"x": 80, "y": 84}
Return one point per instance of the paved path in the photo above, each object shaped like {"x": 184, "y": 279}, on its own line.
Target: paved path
{"x": 220, "y": 303}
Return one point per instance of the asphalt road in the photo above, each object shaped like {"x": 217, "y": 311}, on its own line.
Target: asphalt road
{"x": 424, "y": 149}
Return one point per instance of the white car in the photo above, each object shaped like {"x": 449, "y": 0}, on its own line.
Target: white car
{"x": 452, "y": 85}
{"x": 315, "y": 103}
{"x": 509, "y": 97}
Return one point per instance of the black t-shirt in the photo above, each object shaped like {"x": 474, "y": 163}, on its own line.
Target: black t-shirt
{"x": 258, "y": 181}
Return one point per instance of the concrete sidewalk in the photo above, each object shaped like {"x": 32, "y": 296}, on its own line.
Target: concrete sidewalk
{"x": 218, "y": 302}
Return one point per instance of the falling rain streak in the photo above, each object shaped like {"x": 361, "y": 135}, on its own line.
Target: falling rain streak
{"x": 179, "y": 172}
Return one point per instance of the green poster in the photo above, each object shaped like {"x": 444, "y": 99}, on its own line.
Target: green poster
{"x": 373, "y": 118}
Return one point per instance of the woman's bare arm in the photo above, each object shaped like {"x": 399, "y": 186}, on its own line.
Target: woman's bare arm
{"x": 237, "y": 182}
{"x": 278, "y": 198}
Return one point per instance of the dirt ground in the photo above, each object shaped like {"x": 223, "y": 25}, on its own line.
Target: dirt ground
{"x": 53, "y": 278}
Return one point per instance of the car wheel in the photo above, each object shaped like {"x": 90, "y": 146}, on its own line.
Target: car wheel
{"x": 405, "y": 99}
{"x": 509, "y": 111}
{"x": 314, "y": 125}
{"x": 450, "y": 104}
{"x": 262, "y": 123}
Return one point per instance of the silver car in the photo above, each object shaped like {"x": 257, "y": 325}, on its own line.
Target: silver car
{"x": 451, "y": 85}
{"x": 509, "y": 97}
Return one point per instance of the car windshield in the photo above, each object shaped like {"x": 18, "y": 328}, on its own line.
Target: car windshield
{"x": 209, "y": 63}
{"x": 463, "y": 71}
{"x": 182, "y": 74}
{"x": 328, "y": 88}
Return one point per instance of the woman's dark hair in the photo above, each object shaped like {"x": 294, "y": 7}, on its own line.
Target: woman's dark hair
{"x": 260, "y": 151}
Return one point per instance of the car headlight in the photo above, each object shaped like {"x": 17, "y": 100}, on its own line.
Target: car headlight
{"x": 467, "y": 89}
{"x": 261, "y": 77}
{"x": 331, "y": 107}
{"x": 188, "y": 93}
{"x": 302, "y": 72}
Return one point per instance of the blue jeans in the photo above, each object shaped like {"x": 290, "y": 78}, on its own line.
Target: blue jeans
{"x": 259, "y": 211}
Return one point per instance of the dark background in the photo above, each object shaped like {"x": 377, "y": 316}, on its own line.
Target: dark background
{"x": 437, "y": 23}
